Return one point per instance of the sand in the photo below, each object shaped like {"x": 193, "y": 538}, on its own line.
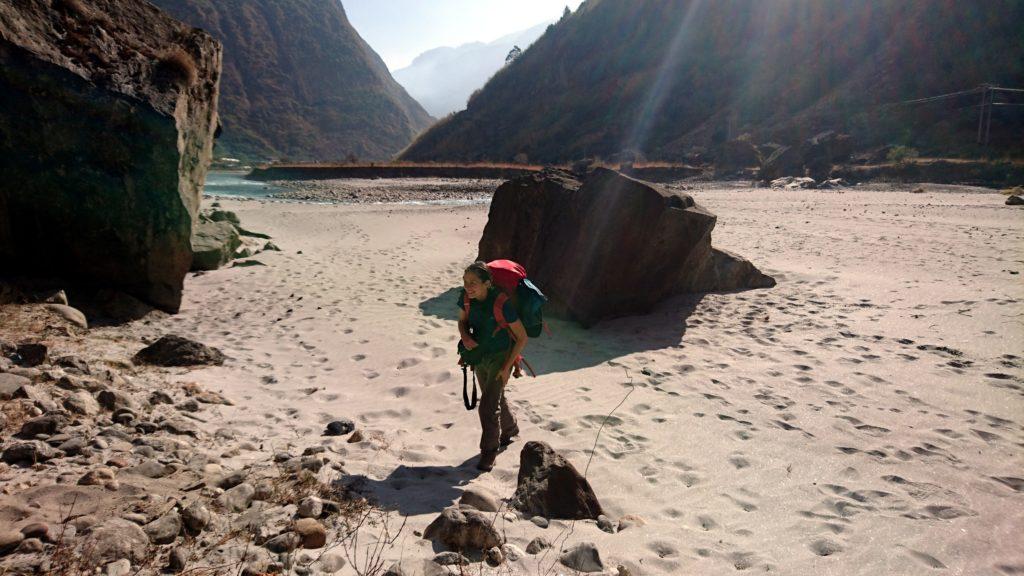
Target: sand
{"x": 865, "y": 416}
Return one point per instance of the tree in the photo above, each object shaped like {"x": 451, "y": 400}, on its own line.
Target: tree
{"x": 514, "y": 53}
{"x": 566, "y": 13}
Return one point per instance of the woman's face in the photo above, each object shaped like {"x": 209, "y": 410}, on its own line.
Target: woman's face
{"x": 475, "y": 288}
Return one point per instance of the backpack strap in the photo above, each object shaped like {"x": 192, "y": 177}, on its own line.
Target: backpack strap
{"x": 470, "y": 405}
{"x": 499, "y": 314}
{"x": 465, "y": 302}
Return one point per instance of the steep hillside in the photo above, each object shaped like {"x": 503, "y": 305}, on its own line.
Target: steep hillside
{"x": 442, "y": 79}
{"x": 663, "y": 76}
{"x": 300, "y": 83}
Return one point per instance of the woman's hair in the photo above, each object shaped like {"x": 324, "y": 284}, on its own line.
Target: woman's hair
{"x": 480, "y": 269}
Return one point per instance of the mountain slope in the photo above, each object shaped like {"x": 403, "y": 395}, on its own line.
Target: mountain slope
{"x": 300, "y": 83}
{"x": 661, "y": 76}
{"x": 443, "y": 78}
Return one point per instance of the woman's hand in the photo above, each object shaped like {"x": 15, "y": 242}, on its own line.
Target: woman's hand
{"x": 503, "y": 375}
{"x": 468, "y": 342}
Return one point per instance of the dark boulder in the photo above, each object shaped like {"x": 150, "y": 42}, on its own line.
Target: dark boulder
{"x": 823, "y": 151}
{"x": 30, "y": 354}
{"x": 736, "y": 155}
{"x": 609, "y": 245}
{"x": 550, "y": 486}
{"x": 213, "y": 244}
{"x": 464, "y": 529}
{"x": 109, "y": 112}
{"x": 172, "y": 350}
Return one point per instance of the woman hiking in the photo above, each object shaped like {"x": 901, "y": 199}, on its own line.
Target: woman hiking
{"x": 492, "y": 351}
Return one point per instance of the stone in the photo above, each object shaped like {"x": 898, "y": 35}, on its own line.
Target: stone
{"x": 537, "y": 545}
{"x": 124, "y": 416}
{"x": 312, "y": 533}
{"x": 28, "y": 453}
{"x": 540, "y": 521}
{"x": 164, "y": 529}
{"x": 30, "y": 354}
{"x": 30, "y": 546}
{"x": 356, "y": 436}
{"x": 81, "y": 402}
{"x": 73, "y": 365}
{"x": 10, "y": 540}
{"x": 283, "y": 543}
{"x": 126, "y": 98}
{"x": 74, "y": 447}
{"x": 582, "y": 557}
{"x": 606, "y": 524}
{"x": 160, "y": 397}
{"x": 96, "y": 477}
{"x": 196, "y": 517}
{"x": 512, "y": 552}
{"x": 238, "y": 498}
{"x": 72, "y": 315}
{"x": 550, "y": 486}
{"x": 310, "y": 507}
{"x": 332, "y": 562}
{"x": 231, "y": 480}
{"x": 463, "y": 530}
{"x": 48, "y": 424}
{"x": 10, "y": 384}
{"x": 1014, "y": 200}
{"x": 117, "y": 538}
{"x": 480, "y": 498}
{"x": 39, "y": 397}
{"x": 822, "y": 151}
{"x": 152, "y": 469}
{"x": 658, "y": 243}
{"x": 190, "y": 405}
{"x": 180, "y": 426}
{"x": 173, "y": 350}
{"x": 116, "y": 400}
{"x": 39, "y": 530}
{"x": 630, "y": 521}
{"x": 451, "y": 559}
{"x": 736, "y": 155}
{"x": 121, "y": 567}
{"x": 177, "y": 560}
{"x": 224, "y": 216}
{"x": 494, "y": 557}
{"x": 213, "y": 245}
{"x": 339, "y": 427}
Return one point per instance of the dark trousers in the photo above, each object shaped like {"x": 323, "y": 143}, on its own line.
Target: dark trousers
{"x": 496, "y": 420}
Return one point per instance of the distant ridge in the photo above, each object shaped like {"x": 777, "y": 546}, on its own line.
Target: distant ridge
{"x": 667, "y": 77}
{"x": 300, "y": 83}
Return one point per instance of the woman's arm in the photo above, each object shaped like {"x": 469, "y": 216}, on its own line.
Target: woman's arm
{"x": 467, "y": 340}
{"x": 519, "y": 339}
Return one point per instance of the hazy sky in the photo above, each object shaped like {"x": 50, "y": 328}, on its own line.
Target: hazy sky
{"x": 400, "y": 30}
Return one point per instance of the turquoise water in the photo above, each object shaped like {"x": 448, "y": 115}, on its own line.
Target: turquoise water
{"x": 224, "y": 183}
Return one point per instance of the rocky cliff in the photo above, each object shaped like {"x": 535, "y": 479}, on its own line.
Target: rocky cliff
{"x": 300, "y": 83}
{"x": 108, "y": 110}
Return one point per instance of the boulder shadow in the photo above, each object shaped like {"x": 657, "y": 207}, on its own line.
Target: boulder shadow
{"x": 415, "y": 490}
{"x": 569, "y": 346}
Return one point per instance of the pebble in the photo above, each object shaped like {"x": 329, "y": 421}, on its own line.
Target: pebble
{"x": 177, "y": 560}
{"x": 283, "y": 543}
{"x": 451, "y": 559}
{"x": 494, "y": 556}
{"x": 36, "y": 530}
{"x": 196, "y": 517}
{"x": 9, "y": 540}
{"x": 540, "y": 521}
{"x": 30, "y": 546}
{"x": 606, "y": 524}
{"x": 340, "y": 427}
{"x": 537, "y": 545}
{"x": 310, "y": 507}
{"x": 121, "y": 567}
{"x": 312, "y": 533}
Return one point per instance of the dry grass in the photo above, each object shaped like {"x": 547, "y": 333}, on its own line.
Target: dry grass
{"x": 178, "y": 67}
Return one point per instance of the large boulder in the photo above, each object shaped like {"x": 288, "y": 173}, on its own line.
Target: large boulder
{"x": 173, "y": 350}
{"x": 823, "y": 151}
{"x": 464, "y": 529}
{"x": 609, "y": 245}
{"x": 109, "y": 113}
{"x": 550, "y": 486}
{"x": 214, "y": 244}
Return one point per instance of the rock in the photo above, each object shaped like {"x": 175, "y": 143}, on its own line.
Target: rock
{"x": 606, "y": 524}
{"x": 117, "y": 538}
{"x": 283, "y": 543}
{"x": 30, "y": 354}
{"x": 451, "y": 559}
{"x": 463, "y": 530}
{"x": 231, "y": 480}
{"x": 832, "y": 183}
{"x": 512, "y": 552}
{"x": 1014, "y": 200}
{"x": 96, "y": 477}
{"x": 238, "y": 498}
{"x": 30, "y": 546}
{"x": 540, "y": 521}
{"x": 777, "y": 160}
{"x": 550, "y": 486}
{"x": 152, "y": 469}
{"x": 631, "y": 520}
{"x": 39, "y": 397}
{"x": 190, "y": 405}
{"x": 660, "y": 243}
{"x": 224, "y": 216}
{"x": 9, "y": 540}
{"x": 164, "y": 529}
{"x": 48, "y": 425}
{"x": 73, "y": 365}
{"x": 123, "y": 416}
{"x": 213, "y": 245}
{"x": 480, "y": 498}
{"x": 332, "y": 562}
{"x": 270, "y": 246}
{"x": 10, "y": 384}
{"x": 129, "y": 117}
{"x": 356, "y": 436}
{"x": 339, "y": 427}
{"x": 160, "y": 397}
{"x": 121, "y": 567}
{"x": 310, "y": 507}
{"x": 313, "y": 533}
{"x": 196, "y": 517}
{"x": 735, "y": 155}
{"x": 177, "y": 560}
{"x": 172, "y": 350}
{"x": 264, "y": 490}
{"x": 537, "y": 545}
{"x": 81, "y": 402}
{"x": 824, "y": 150}
{"x": 40, "y": 530}
{"x": 27, "y": 453}
{"x": 72, "y": 315}
{"x": 180, "y": 426}
{"x": 116, "y": 400}
{"x": 582, "y": 557}
{"x": 74, "y": 447}
{"x": 494, "y": 557}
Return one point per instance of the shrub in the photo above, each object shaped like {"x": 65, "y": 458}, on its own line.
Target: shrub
{"x": 177, "y": 67}
{"x": 901, "y": 154}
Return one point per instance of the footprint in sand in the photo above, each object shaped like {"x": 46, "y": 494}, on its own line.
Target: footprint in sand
{"x": 825, "y": 547}
{"x": 358, "y": 357}
{"x": 408, "y": 363}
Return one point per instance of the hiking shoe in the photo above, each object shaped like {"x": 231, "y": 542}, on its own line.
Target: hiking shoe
{"x": 506, "y": 441}
{"x": 486, "y": 462}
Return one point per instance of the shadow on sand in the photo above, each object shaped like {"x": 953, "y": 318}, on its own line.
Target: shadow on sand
{"x": 414, "y": 490}
{"x": 571, "y": 347}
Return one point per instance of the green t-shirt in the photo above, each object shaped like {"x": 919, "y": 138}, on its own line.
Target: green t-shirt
{"x": 482, "y": 325}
